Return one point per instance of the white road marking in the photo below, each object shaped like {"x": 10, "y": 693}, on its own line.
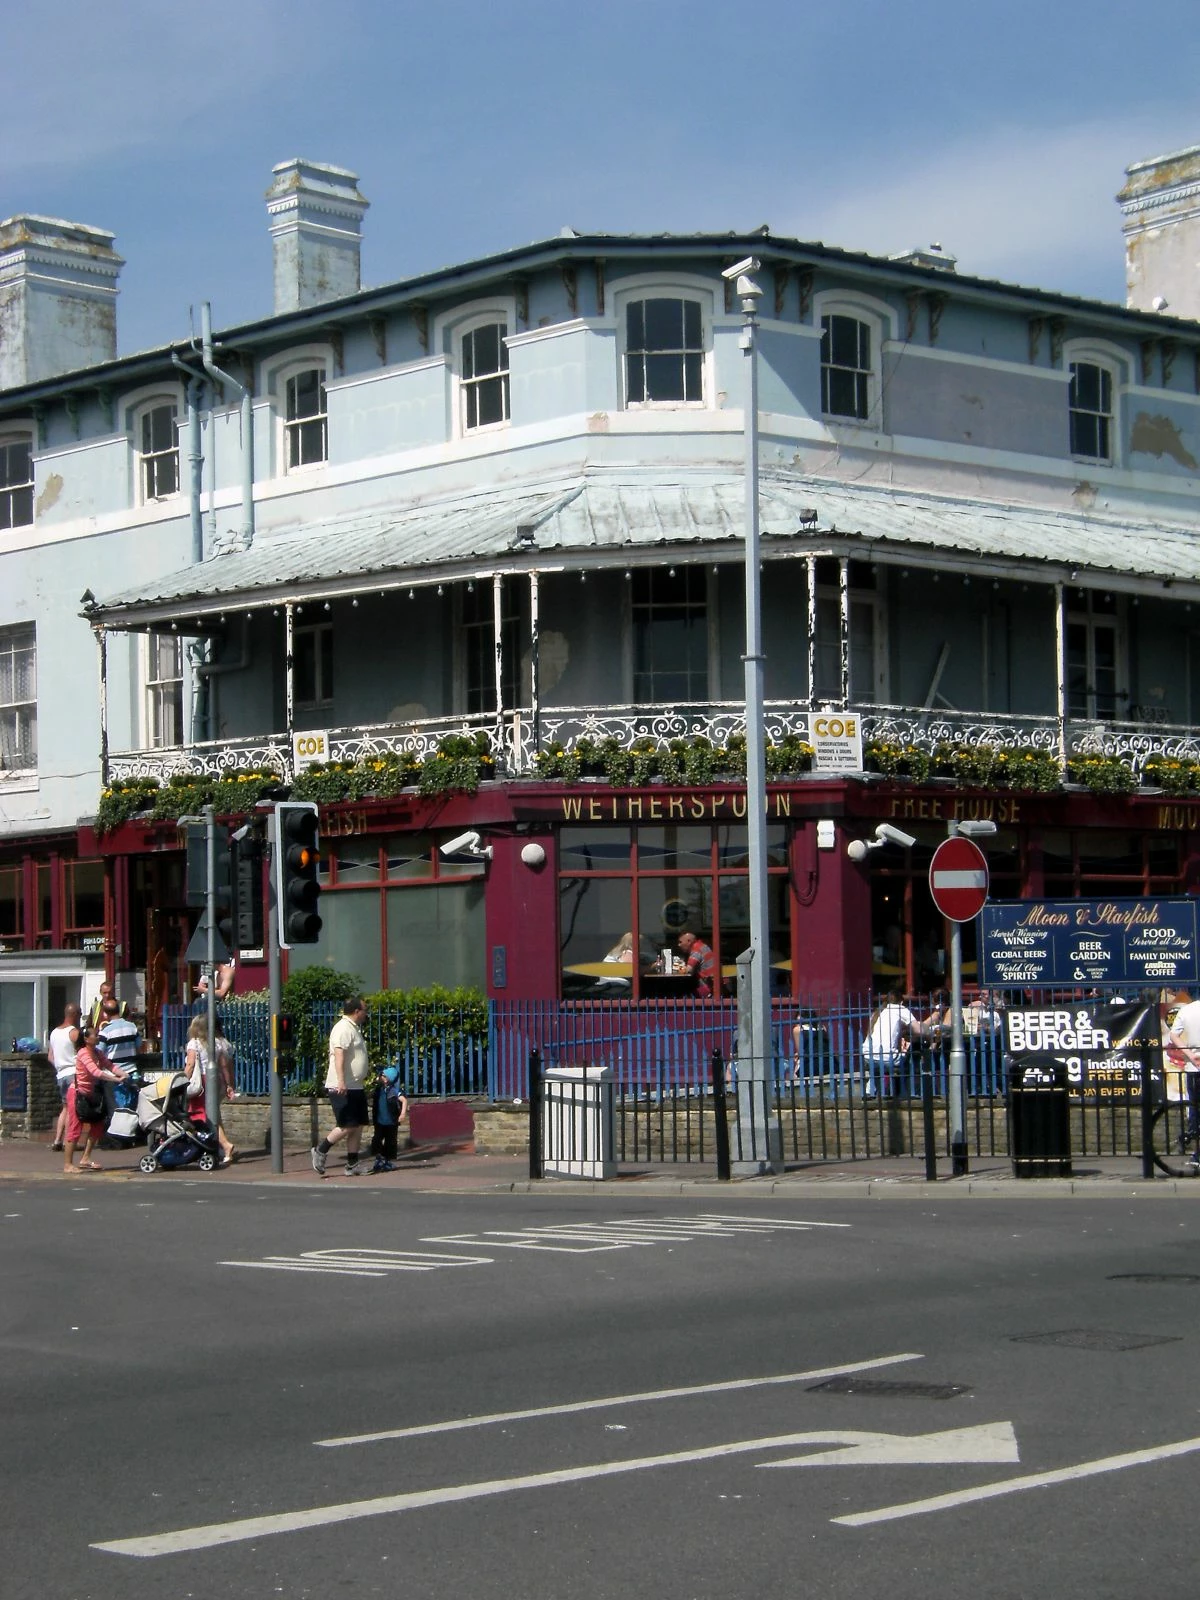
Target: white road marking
{"x": 354, "y": 1261}
{"x": 727, "y": 1386}
{"x": 987, "y": 1442}
{"x": 1033, "y": 1480}
{"x": 209, "y": 1535}
{"x": 568, "y": 1238}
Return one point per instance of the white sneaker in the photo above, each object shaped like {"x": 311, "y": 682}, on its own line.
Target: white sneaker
{"x": 354, "y": 1169}
{"x": 318, "y": 1160}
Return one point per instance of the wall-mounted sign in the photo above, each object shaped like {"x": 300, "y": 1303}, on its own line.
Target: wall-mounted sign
{"x": 836, "y": 738}
{"x": 308, "y": 748}
{"x": 1109, "y": 943}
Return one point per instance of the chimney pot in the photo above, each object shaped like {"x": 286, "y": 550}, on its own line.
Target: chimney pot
{"x": 315, "y": 216}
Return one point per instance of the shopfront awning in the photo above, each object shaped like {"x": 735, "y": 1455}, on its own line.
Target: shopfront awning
{"x": 602, "y": 518}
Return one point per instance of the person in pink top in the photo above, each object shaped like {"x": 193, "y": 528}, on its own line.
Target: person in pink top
{"x": 90, "y": 1072}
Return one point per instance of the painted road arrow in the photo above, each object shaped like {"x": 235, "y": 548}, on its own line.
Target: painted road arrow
{"x": 920, "y": 1449}
{"x": 989, "y": 1442}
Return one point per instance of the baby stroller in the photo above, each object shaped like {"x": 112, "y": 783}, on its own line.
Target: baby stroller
{"x": 172, "y": 1138}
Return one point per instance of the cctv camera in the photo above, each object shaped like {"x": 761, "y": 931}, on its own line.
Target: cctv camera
{"x": 896, "y": 835}
{"x": 463, "y": 844}
{"x": 740, "y": 268}
{"x": 858, "y": 849}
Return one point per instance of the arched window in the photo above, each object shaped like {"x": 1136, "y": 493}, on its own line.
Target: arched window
{"x": 158, "y": 450}
{"x": 305, "y": 418}
{"x": 483, "y": 375}
{"x": 665, "y": 345}
{"x": 847, "y": 366}
{"x": 1091, "y": 411}
{"x": 16, "y": 482}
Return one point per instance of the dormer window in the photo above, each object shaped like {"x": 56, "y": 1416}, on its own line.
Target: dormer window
{"x": 158, "y": 446}
{"x": 664, "y": 351}
{"x": 846, "y": 369}
{"x": 1091, "y": 411}
{"x": 16, "y": 483}
{"x": 306, "y": 418}
{"x": 483, "y": 376}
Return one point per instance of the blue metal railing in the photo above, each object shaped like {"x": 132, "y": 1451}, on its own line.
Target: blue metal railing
{"x": 649, "y": 1044}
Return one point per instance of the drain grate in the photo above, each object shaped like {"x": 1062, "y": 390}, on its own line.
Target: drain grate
{"x": 1154, "y": 1277}
{"x": 1095, "y": 1339}
{"x": 882, "y": 1387}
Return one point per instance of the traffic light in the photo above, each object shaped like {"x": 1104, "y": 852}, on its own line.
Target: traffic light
{"x": 196, "y": 841}
{"x": 223, "y": 886}
{"x": 297, "y": 860}
{"x": 283, "y": 1042}
{"x": 247, "y": 894}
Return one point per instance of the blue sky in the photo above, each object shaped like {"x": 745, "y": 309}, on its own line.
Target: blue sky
{"x": 1000, "y": 130}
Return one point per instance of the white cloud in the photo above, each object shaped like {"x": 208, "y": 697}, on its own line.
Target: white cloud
{"x": 1030, "y": 206}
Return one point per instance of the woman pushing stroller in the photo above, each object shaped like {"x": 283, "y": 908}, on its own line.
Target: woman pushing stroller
{"x": 196, "y": 1066}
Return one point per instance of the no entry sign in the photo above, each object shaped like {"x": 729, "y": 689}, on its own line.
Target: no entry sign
{"x": 958, "y": 879}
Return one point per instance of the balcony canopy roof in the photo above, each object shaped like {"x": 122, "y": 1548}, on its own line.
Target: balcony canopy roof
{"x": 614, "y": 519}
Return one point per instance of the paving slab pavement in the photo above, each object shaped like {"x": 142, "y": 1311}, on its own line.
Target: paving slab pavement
{"x": 458, "y": 1171}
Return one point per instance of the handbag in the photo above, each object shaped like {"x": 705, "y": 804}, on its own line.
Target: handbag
{"x": 89, "y": 1103}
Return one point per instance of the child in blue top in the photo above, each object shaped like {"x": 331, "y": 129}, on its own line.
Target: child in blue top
{"x": 388, "y": 1112}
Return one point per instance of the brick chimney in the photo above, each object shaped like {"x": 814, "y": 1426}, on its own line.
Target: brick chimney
{"x": 58, "y": 298}
{"x": 1161, "y": 206}
{"x": 315, "y": 214}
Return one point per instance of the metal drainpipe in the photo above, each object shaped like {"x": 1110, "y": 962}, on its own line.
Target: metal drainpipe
{"x": 195, "y": 455}
{"x": 222, "y": 378}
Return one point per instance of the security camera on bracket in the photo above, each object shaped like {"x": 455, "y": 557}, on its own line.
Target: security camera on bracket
{"x": 467, "y": 844}
{"x": 885, "y": 833}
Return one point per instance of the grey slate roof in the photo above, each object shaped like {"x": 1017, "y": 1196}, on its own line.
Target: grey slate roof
{"x": 584, "y": 519}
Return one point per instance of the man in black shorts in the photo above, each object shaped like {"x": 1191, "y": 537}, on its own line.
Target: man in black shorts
{"x": 348, "y": 1069}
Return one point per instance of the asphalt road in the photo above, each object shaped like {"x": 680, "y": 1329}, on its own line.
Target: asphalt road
{"x": 188, "y": 1371}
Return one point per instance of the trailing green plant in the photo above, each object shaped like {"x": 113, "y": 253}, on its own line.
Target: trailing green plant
{"x": 969, "y": 764}
{"x": 1172, "y": 775}
{"x": 896, "y": 760}
{"x": 1028, "y": 770}
{"x": 460, "y": 764}
{"x": 791, "y": 754}
{"x": 1102, "y": 774}
{"x": 123, "y": 799}
{"x": 325, "y": 782}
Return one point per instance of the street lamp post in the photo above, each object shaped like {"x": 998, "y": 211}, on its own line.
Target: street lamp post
{"x": 755, "y": 1048}
{"x": 956, "y": 1089}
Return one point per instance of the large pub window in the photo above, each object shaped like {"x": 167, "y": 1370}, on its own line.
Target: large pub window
{"x": 670, "y": 635}
{"x": 652, "y": 881}
{"x": 12, "y": 908}
{"x": 398, "y": 914}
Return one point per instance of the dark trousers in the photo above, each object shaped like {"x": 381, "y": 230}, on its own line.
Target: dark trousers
{"x": 383, "y": 1140}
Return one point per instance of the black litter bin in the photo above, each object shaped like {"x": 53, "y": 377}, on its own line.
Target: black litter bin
{"x": 1039, "y": 1121}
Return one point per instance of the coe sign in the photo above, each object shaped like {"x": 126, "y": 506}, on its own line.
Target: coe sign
{"x": 958, "y": 879}
{"x": 308, "y": 748}
{"x": 836, "y": 739}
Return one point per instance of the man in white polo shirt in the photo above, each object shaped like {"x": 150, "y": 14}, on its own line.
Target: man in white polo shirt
{"x": 348, "y": 1070}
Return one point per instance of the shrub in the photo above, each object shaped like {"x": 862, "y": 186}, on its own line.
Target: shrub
{"x": 317, "y": 989}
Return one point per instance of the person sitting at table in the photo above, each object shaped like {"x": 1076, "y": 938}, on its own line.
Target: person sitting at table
{"x": 622, "y": 950}
{"x": 701, "y": 963}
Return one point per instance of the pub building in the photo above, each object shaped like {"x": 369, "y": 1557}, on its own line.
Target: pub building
{"x": 465, "y": 552}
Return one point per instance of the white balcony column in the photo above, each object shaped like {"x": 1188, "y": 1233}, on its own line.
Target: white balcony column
{"x": 1060, "y": 671}
{"x": 810, "y": 566}
{"x": 102, "y": 661}
{"x": 289, "y": 680}
{"x": 498, "y": 648}
{"x": 844, "y": 632}
{"x": 535, "y": 699}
